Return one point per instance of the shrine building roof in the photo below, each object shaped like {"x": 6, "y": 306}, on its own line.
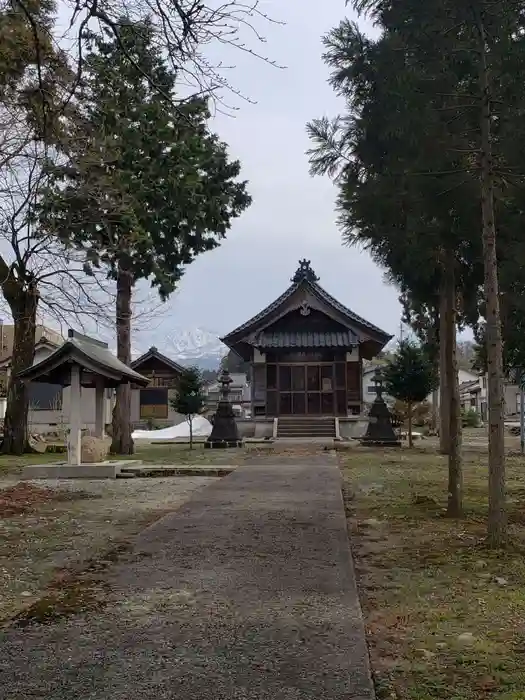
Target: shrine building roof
{"x": 304, "y": 293}
{"x": 91, "y": 355}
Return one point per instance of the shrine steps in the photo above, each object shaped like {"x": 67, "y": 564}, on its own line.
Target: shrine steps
{"x": 307, "y": 427}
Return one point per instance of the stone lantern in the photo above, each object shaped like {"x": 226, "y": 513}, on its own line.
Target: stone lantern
{"x": 224, "y": 432}
{"x": 380, "y": 431}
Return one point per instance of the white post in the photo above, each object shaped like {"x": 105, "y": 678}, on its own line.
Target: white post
{"x": 522, "y": 418}
{"x": 75, "y": 425}
{"x": 100, "y": 405}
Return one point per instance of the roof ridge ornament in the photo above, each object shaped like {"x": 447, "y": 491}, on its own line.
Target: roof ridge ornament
{"x": 304, "y": 309}
{"x": 304, "y": 272}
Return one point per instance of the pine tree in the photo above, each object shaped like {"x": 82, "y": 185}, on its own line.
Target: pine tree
{"x": 190, "y": 397}
{"x": 410, "y": 377}
{"x": 147, "y": 186}
{"x": 433, "y": 117}
{"x": 388, "y": 156}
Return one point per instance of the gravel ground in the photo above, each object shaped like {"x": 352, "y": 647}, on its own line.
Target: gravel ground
{"x": 89, "y": 518}
{"x": 247, "y": 592}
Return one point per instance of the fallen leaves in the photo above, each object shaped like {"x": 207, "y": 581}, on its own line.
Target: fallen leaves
{"x": 487, "y": 684}
{"x": 60, "y": 527}
{"x": 24, "y": 497}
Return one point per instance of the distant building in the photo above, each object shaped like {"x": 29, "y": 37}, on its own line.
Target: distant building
{"x": 511, "y": 398}
{"x": 49, "y": 403}
{"x": 7, "y": 332}
{"x": 153, "y": 404}
{"x": 240, "y": 393}
{"x": 472, "y": 397}
{"x": 473, "y": 393}
{"x": 42, "y": 397}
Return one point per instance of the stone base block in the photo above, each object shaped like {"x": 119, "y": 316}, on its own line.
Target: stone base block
{"x": 162, "y": 470}
{"x": 380, "y": 443}
{"x": 222, "y": 444}
{"x": 62, "y": 470}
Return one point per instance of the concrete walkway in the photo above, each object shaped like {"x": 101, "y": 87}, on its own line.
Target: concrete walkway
{"x": 246, "y": 592}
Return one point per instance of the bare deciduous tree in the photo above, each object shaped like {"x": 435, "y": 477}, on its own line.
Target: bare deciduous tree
{"x": 188, "y": 33}
{"x": 36, "y": 271}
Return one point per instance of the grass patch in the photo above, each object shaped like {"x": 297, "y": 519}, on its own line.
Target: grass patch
{"x": 151, "y": 454}
{"x": 13, "y": 464}
{"x": 445, "y": 617}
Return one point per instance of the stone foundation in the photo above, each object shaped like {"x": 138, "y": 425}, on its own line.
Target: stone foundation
{"x": 352, "y": 428}
{"x": 62, "y": 470}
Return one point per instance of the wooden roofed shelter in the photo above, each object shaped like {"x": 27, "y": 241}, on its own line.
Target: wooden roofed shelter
{"x": 80, "y": 362}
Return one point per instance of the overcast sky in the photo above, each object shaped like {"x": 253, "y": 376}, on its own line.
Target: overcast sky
{"x": 292, "y": 215}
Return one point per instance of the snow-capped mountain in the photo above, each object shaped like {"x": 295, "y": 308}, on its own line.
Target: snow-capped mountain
{"x": 194, "y": 346}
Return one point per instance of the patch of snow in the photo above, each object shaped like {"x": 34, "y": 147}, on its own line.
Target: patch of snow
{"x": 201, "y": 428}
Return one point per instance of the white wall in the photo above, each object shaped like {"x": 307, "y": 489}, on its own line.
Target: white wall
{"x": 511, "y": 397}
{"x": 44, "y": 420}
{"x": 465, "y": 375}
{"x": 41, "y": 353}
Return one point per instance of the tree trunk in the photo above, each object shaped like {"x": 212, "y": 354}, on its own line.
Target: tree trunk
{"x": 433, "y": 344}
{"x": 191, "y": 433}
{"x": 444, "y": 420}
{"x": 122, "y": 442}
{"x": 434, "y": 415}
{"x": 23, "y": 304}
{"x": 455, "y": 467}
{"x": 497, "y": 517}
{"x": 410, "y": 440}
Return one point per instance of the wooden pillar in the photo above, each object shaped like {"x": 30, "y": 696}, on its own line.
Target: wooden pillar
{"x": 252, "y": 389}
{"x": 334, "y": 390}
{"x": 75, "y": 418}
{"x": 259, "y": 362}
{"x": 361, "y": 398}
{"x": 100, "y": 406}
{"x": 353, "y": 375}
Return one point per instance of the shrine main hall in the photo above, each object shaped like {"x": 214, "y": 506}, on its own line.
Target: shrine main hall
{"x": 306, "y": 353}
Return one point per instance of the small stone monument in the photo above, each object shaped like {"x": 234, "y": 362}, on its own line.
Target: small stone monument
{"x": 224, "y": 432}
{"x": 380, "y": 431}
